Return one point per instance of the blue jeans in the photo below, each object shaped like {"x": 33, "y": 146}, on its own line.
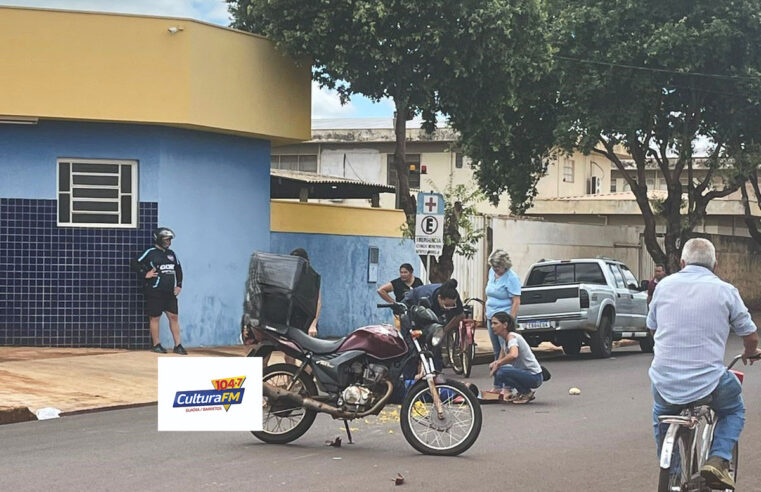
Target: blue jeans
{"x": 520, "y": 379}
{"x": 730, "y": 412}
{"x": 495, "y": 345}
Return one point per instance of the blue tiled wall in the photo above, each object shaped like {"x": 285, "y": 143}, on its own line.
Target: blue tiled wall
{"x": 65, "y": 287}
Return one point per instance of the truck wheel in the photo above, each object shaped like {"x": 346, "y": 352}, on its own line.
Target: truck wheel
{"x": 601, "y": 343}
{"x": 572, "y": 346}
{"x": 647, "y": 344}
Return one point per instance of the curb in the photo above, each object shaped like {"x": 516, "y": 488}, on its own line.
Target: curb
{"x": 12, "y": 415}
{"x": 108, "y": 409}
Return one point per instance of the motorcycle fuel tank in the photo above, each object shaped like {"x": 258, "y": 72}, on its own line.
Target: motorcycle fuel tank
{"x": 378, "y": 341}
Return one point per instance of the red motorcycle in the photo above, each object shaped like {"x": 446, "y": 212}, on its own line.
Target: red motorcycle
{"x": 356, "y": 376}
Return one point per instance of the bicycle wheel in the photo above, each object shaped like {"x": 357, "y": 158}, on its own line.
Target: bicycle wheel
{"x": 676, "y": 477}
{"x": 454, "y": 351}
{"x": 468, "y": 354}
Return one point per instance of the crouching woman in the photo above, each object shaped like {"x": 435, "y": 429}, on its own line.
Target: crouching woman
{"x": 517, "y": 366}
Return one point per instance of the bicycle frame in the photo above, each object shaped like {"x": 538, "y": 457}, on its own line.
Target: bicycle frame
{"x": 700, "y": 420}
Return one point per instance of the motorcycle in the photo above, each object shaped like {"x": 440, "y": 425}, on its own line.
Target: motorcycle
{"x": 355, "y": 377}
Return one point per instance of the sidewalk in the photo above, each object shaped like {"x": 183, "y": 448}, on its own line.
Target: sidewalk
{"x": 77, "y": 380}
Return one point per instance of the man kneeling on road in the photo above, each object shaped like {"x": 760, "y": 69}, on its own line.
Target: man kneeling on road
{"x": 691, "y": 314}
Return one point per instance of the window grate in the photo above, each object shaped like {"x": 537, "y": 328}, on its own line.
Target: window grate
{"x": 97, "y": 193}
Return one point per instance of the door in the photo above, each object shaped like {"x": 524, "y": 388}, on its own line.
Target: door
{"x": 623, "y": 299}
{"x": 638, "y": 299}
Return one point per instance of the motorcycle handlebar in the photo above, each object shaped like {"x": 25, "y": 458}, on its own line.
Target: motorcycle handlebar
{"x": 385, "y": 305}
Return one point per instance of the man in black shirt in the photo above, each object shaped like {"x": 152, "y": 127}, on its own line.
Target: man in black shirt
{"x": 162, "y": 273}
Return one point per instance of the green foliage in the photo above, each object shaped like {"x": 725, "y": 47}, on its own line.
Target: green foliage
{"x": 482, "y": 63}
{"x": 648, "y": 77}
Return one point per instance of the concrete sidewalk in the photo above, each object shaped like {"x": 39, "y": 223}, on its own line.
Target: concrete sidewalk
{"x": 76, "y": 380}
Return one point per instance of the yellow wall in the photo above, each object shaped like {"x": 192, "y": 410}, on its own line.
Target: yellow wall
{"x": 125, "y": 68}
{"x": 315, "y": 218}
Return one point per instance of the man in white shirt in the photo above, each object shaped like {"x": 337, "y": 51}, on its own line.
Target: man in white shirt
{"x": 691, "y": 314}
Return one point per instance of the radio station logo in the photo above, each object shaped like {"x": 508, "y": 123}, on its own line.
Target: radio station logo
{"x": 226, "y": 392}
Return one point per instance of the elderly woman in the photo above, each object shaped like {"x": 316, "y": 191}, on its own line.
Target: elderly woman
{"x": 503, "y": 292}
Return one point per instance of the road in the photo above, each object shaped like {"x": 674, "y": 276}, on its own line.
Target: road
{"x": 598, "y": 441}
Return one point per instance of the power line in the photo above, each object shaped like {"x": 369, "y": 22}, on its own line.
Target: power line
{"x": 658, "y": 70}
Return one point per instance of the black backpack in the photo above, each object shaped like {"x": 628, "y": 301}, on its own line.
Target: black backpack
{"x": 546, "y": 376}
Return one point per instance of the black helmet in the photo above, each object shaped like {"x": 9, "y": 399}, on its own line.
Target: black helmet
{"x": 162, "y": 233}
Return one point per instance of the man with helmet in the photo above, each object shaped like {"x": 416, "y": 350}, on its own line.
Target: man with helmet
{"x": 162, "y": 274}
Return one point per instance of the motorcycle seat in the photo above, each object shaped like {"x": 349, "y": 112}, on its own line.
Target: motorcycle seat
{"x": 312, "y": 344}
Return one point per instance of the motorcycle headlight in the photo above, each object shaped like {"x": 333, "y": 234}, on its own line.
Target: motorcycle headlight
{"x": 437, "y": 335}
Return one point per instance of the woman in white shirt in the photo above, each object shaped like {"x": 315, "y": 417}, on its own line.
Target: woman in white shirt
{"x": 517, "y": 366}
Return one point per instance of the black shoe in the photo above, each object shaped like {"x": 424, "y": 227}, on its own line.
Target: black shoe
{"x": 179, "y": 349}
{"x": 716, "y": 474}
{"x": 158, "y": 349}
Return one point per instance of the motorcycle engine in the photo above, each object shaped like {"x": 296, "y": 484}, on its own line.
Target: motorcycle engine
{"x": 356, "y": 395}
{"x": 366, "y": 377}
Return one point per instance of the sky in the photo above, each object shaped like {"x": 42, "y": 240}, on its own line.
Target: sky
{"x": 325, "y": 103}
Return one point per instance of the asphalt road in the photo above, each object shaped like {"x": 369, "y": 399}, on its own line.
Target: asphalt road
{"x": 598, "y": 441}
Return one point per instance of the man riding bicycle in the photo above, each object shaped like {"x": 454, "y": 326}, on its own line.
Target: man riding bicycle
{"x": 690, "y": 315}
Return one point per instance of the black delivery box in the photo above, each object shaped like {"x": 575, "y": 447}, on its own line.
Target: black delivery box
{"x": 281, "y": 292}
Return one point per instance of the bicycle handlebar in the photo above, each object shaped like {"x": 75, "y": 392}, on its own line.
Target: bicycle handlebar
{"x": 473, "y": 299}
{"x": 740, "y": 356}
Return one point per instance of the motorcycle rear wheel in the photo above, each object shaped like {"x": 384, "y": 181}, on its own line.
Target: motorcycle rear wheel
{"x": 283, "y": 423}
{"x": 430, "y": 435}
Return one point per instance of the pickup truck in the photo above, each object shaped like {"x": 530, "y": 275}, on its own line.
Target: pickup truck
{"x": 583, "y": 302}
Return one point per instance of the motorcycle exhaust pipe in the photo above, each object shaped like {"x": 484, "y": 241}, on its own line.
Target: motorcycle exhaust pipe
{"x": 276, "y": 393}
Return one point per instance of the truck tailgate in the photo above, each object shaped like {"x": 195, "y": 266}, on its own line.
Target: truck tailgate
{"x": 549, "y": 301}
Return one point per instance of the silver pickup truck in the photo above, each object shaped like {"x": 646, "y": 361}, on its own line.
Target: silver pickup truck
{"x": 583, "y": 302}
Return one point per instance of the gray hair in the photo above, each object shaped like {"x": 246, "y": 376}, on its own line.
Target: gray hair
{"x": 699, "y": 251}
{"x": 500, "y": 258}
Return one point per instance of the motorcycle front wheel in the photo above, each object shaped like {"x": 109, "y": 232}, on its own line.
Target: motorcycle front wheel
{"x": 282, "y": 421}
{"x": 429, "y": 433}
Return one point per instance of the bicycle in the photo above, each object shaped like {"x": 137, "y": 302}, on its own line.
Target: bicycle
{"x": 461, "y": 345}
{"x": 687, "y": 443}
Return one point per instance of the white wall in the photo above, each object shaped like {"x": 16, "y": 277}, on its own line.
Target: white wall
{"x": 361, "y": 164}
{"x": 529, "y": 241}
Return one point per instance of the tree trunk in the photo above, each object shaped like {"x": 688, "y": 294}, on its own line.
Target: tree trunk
{"x": 673, "y": 213}
{"x": 751, "y": 221}
{"x": 403, "y": 198}
{"x": 443, "y": 266}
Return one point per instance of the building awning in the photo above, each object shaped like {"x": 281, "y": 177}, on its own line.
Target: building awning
{"x": 302, "y": 185}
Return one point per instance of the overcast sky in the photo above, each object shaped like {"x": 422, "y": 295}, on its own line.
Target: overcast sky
{"x": 325, "y": 104}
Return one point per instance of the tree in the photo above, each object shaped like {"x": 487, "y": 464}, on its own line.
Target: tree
{"x": 465, "y": 59}
{"x": 651, "y": 77}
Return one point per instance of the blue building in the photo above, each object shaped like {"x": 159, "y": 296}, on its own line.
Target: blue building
{"x": 112, "y": 125}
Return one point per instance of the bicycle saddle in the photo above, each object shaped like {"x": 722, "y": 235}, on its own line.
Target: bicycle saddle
{"x": 313, "y": 344}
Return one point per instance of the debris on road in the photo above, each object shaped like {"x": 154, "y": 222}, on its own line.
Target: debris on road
{"x": 48, "y": 413}
{"x": 335, "y": 443}
{"x": 399, "y": 480}
{"x": 574, "y": 391}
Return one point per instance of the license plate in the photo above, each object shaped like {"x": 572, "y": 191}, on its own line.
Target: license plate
{"x": 535, "y": 325}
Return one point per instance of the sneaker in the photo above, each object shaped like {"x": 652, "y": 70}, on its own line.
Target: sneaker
{"x": 716, "y": 473}
{"x": 158, "y": 349}
{"x": 524, "y": 398}
{"x": 179, "y": 349}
